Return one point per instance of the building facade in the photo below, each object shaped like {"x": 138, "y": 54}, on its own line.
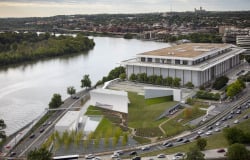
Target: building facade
{"x": 244, "y": 42}
{"x": 199, "y": 63}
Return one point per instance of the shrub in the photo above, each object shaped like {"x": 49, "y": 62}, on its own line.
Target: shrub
{"x": 207, "y": 95}
{"x": 220, "y": 82}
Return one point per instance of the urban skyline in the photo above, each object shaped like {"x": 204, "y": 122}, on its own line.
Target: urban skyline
{"x": 39, "y": 8}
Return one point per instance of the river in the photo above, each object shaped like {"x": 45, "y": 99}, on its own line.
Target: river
{"x": 26, "y": 90}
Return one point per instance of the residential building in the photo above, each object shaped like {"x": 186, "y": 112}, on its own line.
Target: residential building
{"x": 199, "y": 63}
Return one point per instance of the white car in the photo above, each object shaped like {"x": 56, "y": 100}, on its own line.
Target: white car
{"x": 97, "y": 158}
{"x": 161, "y": 156}
{"x": 208, "y": 132}
{"x": 217, "y": 123}
{"x": 119, "y": 152}
{"x": 217, "y": 129}
{"x": 236, "y": 121}
{"x": 115, "y": 156}
{"x": 89, "y": 156}
{"x": 145, "y": 148}
{"x": 200, "y": 131}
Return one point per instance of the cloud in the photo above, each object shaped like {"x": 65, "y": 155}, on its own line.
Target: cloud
{"x": 54, "y": 7}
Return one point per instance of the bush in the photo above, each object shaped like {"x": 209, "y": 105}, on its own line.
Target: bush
{"x": 207, "y": 95}
{"x": 189, "y": 85}
{"x": 220, "y": 82}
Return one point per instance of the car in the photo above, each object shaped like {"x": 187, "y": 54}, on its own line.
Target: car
{"x": 12, "y": 154}
{"x": 177, "y": 158}
{"x": 120, "y": 152}
{"x": 169, "y": 145}
{"x": 179, "y": 139}
{"x": 8, "y": 147}
{"x": 232, "y": 112}
{"x": 221, "y": 150}
{"x": 186, "y": 140}
{"x": 97, "y": 158}
{"x": 32, "y": 135}
{"x": 115, "y": 155}
{"x": 224, "y": 119}
{"x": 245, "y": 117}
{"x": 165, "y": 143}
{"x": 217, "y": 129}
{"x": 236, "y": 121}
{"x": 41, "y": 130}
{"x": 217, "y": 123}
{"x": 136, "y": 158}
{"x": 230, "y": 117}
{"x": 238, "y": 111}
{"x": 208, "y": 132}
{"x": 200, "y": 132}
{"x": 145, "y": 148}
{"x": 89, "y": 156}
{"x": 44, "y": 124}
{"x": 161, "y": 155}
{"x": 133, "y": 153}
{"x": 75, "y": 97}
{"x": 49, "y": 123}
{"x": 210, "y": 127}
{"x": 239, "y": 107}
{"x": 179, "y": 154}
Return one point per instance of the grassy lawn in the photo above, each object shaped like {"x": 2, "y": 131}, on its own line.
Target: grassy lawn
{"x": 173, "y": 127}
{"x": 105, "y": 128}
{"x": 92, "y": 110}
{"x": 159, "y": 100}
{"x": 141, "y": 115}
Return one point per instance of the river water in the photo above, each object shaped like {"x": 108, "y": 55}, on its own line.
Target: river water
{"x": 26, "y": 90}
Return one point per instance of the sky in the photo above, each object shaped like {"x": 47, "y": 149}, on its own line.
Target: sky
{"x": 44, "y": 8}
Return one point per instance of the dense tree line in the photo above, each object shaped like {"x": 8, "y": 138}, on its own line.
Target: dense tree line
{"x": 17, "y": 48}
{"x": 118, "y": 72}
{"x": 207, "y": 95}
{"x": 155, "y": 79}
{"x": 245, "y": 78}
{"x": 197, "y": 38}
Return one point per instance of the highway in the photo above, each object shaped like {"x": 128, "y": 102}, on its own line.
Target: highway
{"x": 210, "y": 125}
{"x": 44, "y": 131}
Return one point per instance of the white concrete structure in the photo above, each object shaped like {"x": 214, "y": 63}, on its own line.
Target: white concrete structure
{"x": 68, "y": 122}
{"x": 153, "y": 92}
{"x": 243, "y": 42}
{"x": 199, "y": 63}
{"x": 110, "y": 99}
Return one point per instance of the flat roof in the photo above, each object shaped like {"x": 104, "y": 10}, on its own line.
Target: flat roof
{"x": 68, "y": 119}
{"x": 187, "y": 50}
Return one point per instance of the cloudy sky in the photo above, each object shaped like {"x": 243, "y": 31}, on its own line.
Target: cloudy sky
{"x": 41, "y": 8}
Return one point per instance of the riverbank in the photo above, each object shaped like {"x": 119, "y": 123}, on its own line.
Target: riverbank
{"x": 24, "y": 47}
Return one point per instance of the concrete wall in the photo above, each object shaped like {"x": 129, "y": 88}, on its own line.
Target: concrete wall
{"x": 154, "y": 92}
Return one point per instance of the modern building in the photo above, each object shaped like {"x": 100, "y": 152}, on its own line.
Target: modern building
{"x": 199, "y": 63}
{"x": 112, "y": 101}
{"x": 244, "y": 42}
{"x": 68, "y": 122}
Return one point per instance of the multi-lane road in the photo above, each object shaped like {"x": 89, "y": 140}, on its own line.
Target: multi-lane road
{"x": 215, "y": 124}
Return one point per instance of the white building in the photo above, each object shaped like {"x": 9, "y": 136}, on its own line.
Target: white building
{"x": 110, "y": 99}
{"x": 199, "y": 63}
{"x": 69, "y": 122}
{"x": 244, "y": 42}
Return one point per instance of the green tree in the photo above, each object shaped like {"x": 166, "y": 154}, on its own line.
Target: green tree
{"x": 195, "y": 154}
{"x": 220, "y": 82}
{"x": 39, "y": 154}
{"x": 56, "y": 101}
{"x": 237, "y": 152}
{"x": 234, "y": 135}
{"x": 201, "y": 143}
{"x": 132, "y": 77}
{"x": 86, "y": 82}
{"x": 71, "y": 90}
{"x": 176, "y": 82}
{"x": 123, "y": 76}
{"x": 169, "y": 81}
{"x": 189, "y": 85}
